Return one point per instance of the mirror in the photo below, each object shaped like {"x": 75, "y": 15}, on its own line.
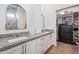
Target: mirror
{"x": 16, "y": 17}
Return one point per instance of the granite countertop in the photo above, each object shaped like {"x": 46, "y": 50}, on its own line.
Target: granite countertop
{"x": 5, "y": 45}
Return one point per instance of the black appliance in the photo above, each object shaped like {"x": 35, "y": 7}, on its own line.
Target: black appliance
{"x": 65, "y": 33}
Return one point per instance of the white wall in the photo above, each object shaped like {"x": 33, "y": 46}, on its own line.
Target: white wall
{"x": 2, "y": 16}
{"x": 34, "y": 18}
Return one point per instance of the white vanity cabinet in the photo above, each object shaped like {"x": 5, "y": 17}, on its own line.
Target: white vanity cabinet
{"x": 15, "y": 50}
{"x": 37, "y": 46}
{"x": 45, "y": 43}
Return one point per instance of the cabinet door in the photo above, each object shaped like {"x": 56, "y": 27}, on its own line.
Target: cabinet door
{"x": 15, "y": 50}
{"x": 38, "y": 46}
{"x": 43, "y": 44}
{"x": 48, "y": 41}
{"x": 30, "y": 47}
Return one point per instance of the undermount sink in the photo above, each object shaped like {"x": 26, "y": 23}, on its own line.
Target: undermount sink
{"x": 17, "y": 39}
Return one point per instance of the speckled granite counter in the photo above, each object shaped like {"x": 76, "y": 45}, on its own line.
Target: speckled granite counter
{"x": 5, "y": 45}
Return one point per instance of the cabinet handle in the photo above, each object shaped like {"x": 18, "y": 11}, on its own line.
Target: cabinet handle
{"x": 22, "y": 49}
{"x": 25, "y": 49}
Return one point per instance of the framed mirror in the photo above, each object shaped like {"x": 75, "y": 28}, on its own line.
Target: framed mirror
{"x": 15, "y": 17}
